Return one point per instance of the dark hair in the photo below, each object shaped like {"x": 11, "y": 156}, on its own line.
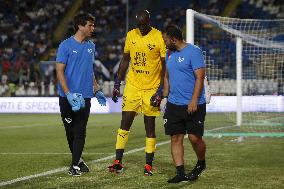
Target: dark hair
{"x": 173, "y": 31}
{"x": 81, "y": 19}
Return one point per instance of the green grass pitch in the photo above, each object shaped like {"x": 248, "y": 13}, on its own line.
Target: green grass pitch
{"x": 35, "y": 143}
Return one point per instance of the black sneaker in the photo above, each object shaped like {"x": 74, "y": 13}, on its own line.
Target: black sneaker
{"x": 178, "y": 178}
{"x": 196, "y": 172}
{"x": 74, "y": 171}
{"x": 83, "y": 166}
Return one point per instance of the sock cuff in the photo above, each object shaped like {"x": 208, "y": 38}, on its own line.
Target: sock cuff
{"x": 150, "y": 145}
{"x": 122, "y": 132}
{"x": 121, "y": 139}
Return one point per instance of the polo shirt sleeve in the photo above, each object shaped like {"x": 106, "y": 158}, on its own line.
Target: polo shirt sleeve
{"x": 197, "y": 59}
{"x": 62, "y": 53}
{"x": 127, "y": 44}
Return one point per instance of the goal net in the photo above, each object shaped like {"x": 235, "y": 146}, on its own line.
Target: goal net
{"x": 245, "y": 68}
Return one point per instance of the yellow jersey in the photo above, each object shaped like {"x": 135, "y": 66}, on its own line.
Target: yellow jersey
{"x": 145, "y": 58}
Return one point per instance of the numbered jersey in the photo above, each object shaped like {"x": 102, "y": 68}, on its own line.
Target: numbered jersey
{"x": 145, "y": 53}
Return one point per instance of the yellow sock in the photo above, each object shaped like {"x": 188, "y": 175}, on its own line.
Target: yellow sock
{"x": 121, "y": 139}
{"x": 150, "y": 145}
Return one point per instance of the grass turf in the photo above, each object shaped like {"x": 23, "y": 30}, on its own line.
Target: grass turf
{"x": 35, "y": 143}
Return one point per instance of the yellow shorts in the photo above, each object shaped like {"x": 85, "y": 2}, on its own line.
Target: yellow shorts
{"x": 138, "y": 100}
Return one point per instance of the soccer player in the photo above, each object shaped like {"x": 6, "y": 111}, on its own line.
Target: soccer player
{"x": 185, "y": 108}
{"x": 145, "y": 49}
{"x": 76, "y": 87}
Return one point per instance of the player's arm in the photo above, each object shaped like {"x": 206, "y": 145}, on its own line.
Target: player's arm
{"x": 198, "y": 87}
{"x": 163, "y": 54}
{"x": 157, "y": 97}
{"x": 96, "y": 85}
{"x": 60, "y": 68}
{"x": 166, "y": 86}
{"x": 73, "y": 101}
{"x": 98, "y": 93}
{"x": 123, "y": 66}
{"x": 163, "y": 71}
{"x": 166, "y": 89}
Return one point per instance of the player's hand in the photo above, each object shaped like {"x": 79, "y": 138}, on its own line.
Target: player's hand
{"x": 156, "y": 98}
{"x": 100, "y": 97}
{"x": 192, "y": 106}
{"x": 74, "y": 101}
{"x": 163, "y": 104}
{"x": 82, "y": 100}
{"x": 116, "y": 91}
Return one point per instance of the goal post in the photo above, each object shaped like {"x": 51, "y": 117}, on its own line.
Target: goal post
{"x": 244, "y": 63}
{"x": 239, "y": 49}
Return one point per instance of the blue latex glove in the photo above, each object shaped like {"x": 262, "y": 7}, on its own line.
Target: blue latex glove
{"x": 76, "y": 108}
{"x": 82, "y": 100}
{"x": 100, "y": 97}
{"x": 72, "y": 99}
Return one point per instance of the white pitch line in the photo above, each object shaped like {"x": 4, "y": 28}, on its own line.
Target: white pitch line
{"x": 26, "y": 126}
{"x": 34, "y": 125}
{"x": 47, "y": 153}
{"x": 66, "y": 168}
{"x": 220, "y": 128}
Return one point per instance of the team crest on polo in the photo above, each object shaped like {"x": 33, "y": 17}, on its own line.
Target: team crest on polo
{"x": 180, "y": 59}
{"x": 90, "y": 50}
{"x": 151, "y": 46}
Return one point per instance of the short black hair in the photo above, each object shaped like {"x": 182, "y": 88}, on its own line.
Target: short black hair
{"x": 173, "y": 31}
{"x": 81, "y": 19}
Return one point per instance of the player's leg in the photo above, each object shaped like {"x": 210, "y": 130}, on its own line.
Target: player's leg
{"x": 85, "y": 114}
{"x": 68, "y": 120}
{"x": 123, "y": 132}
{"x": 66, "y": 116}
{"x": 150, "y": 146}
{"x": 174, "y": 126}
{"x": 150, "y": 113}
{"x": 80, "y": 123}
{"x": 177, "y": 151}
{"x": 131, "y": 104}
{"x": 195, "y": 129}
{"x": 198, "y": 146}
{"x": 121, "y": 140}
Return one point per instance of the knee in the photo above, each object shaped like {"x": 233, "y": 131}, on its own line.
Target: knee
{"x": 194, "y": 139}
{"x": 176, "y": 139}
{"x": 125, "y": 124}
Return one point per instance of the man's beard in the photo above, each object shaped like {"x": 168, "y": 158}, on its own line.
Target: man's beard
{"x": 172, "y": 48}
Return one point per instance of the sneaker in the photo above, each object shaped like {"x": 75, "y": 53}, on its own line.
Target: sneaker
{"x": 196, "y": 172}
{"x": 148, "y": 170}
{"x": 178, "y": 178}
{"x": 83, "y": 166}
{"x": 74, "y": 171}
{"x": 116, "y": 167}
